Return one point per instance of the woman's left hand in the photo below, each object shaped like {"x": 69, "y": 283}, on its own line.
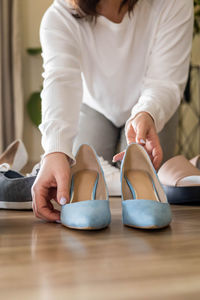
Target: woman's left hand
{"x": 142, "y": 130}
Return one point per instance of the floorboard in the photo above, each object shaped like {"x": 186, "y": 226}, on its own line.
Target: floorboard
{"x": 39, "y": 260}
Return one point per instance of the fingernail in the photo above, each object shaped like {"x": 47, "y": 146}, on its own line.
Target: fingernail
{"x": 63, "y": 200}
{"x": 58, "y": 221}
{"x": 142, "y": 141}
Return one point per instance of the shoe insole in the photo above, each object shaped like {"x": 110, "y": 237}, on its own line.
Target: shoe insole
{"x": 9, "y": 154}
{"x": 189, "y": 181}
{"x": 83, "y": 186}
{"x": 141, "y": 185}
{"x": 6, "y": 159}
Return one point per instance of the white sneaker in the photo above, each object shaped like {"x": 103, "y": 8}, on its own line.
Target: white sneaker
{"x": 35, "y": 169}
{"x": 112, "y": 177}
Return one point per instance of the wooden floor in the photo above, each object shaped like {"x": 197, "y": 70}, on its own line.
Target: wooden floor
{"x": 48, "y": 261}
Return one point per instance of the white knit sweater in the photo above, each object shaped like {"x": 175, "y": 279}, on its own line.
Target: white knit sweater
{"x": 119, "y": 70}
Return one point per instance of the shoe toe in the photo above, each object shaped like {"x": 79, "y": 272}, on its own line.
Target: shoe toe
{"x": 90, "y": 215}
{"x": 147, "y": 214}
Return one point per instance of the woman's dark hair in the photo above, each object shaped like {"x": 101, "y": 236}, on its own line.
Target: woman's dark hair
{"x": 88, "y": 8}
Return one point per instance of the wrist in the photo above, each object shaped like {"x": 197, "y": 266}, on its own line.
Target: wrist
{"x": 54, "y": 155}
{"x": 145, "y": 114}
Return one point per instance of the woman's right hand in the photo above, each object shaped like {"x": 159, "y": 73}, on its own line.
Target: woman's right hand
{"x": 52, "y": 182}
{"x": 142, "y": 130}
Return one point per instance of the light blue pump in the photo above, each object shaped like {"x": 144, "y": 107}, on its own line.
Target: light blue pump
{"x": 88, "y": 215}
{"x": 138, "y": 179}
{"x": 89, "y": 205}
{"x": 147, "y": 214}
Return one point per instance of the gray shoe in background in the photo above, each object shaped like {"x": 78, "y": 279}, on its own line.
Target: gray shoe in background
{"x": 15, "y": 190}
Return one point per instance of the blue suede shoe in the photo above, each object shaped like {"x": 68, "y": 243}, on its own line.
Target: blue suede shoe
{"x": 144, "y": 203}
{"x": 89, "y": 203}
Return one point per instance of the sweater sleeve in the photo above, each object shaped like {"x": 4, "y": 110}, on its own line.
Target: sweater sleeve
{"x": 62, "y": 87}
{"x": 168, "y": 63}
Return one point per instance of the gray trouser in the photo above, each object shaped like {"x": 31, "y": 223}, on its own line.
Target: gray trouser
{"x": 107, "y": 139}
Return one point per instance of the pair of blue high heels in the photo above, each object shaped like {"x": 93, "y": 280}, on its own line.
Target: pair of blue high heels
{"x": 144, "y": 203}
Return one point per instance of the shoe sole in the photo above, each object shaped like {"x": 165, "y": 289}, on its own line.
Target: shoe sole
{"x": 147, "y": 227}
{"x": 85, "y": 228}
{"x": 16, "y": 205}
{"x": 182, "y": 195}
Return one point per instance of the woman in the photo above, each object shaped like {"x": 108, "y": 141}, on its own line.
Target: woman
{"x": 127, "y": 62}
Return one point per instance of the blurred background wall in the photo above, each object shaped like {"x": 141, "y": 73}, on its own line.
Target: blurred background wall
{"x": 31, "y": 12}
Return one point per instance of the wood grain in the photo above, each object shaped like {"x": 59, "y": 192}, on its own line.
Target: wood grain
{"x": 48, "y": 261}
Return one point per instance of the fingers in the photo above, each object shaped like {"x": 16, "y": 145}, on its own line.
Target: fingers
{"x": 52, "y": 183}
{"x": 62, "y": 189}
{"x": 141, "y": 133}
{"x": 157, "y": 158}
{"x": 156, "y": 149}
{"x": 42, "y": 206}
{"x": 130, "y": 134}
{"x": 118, "y": 157}
{"x": 157, "y": 162}
{"x": 137, "y": 130}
